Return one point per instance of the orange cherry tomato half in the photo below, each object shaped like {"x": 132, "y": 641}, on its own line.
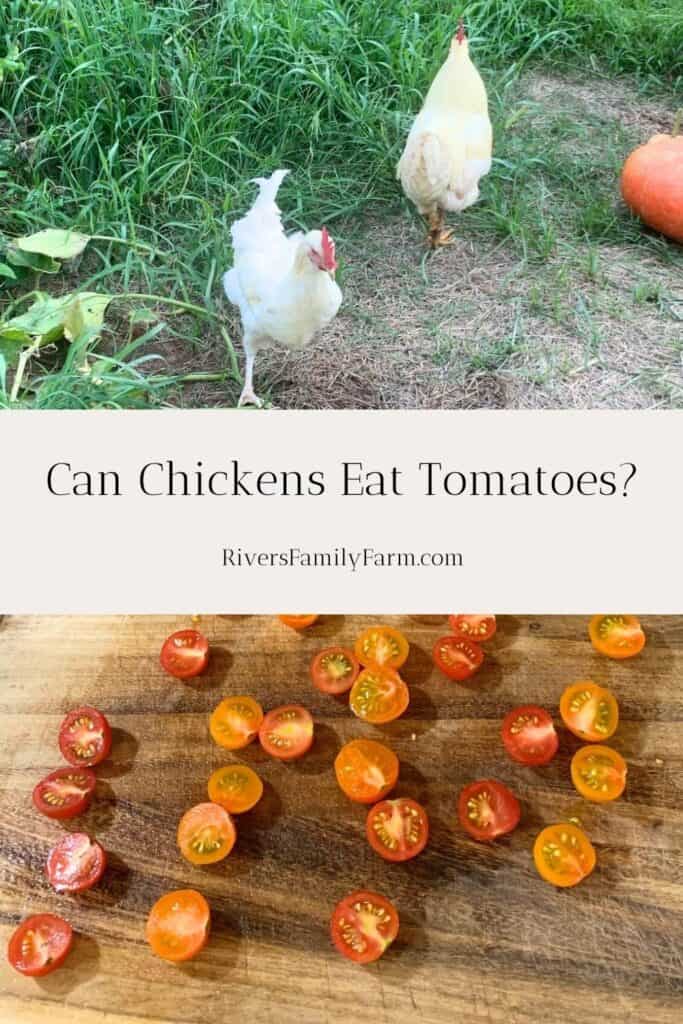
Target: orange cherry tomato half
{"x": 382, "y": 647}
{"x": 178, "y": 925}
{"x": 235, "y": 722}
{"x": 65, "y": 793}
{"x": 563, "y": 855}
{"x": 185, "y": 654}
{"x": 236, "y": 787}
{"x": 488, "y": 809}
{"x": 286, "y": 732}
{"x": 617, "y": 636}
{"x": 298, "y": 621}
{"x": 363, "y": 926}
{"x": 397, "y": 829}
{"x": 589, "y": 711}
{"x": 529, "y": 735}
{"x": 457, "y": 657}
{"x": 85, "y": 737}
{"x": 379, "y": 695}
{"x": 599, "y": 773}
{"x": 206, "y": 834}
{"x": 334, "y": 670}
{"x": 76, "y": 863}
{"x": 479, "y": 628}
{"x": 40, "y": 945}
{"x": 366, "y": 770}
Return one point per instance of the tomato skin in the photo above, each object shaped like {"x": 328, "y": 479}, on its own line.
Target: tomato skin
{"x": 529, "y": 735}
{"x": 457, "y": 657}
{"x": 366, "y": 770}
{"x": 598, "y": 773}
{"x": 488, "y": 809}
{"x": 75, "y": 863}
{"x": 85, "y": 737}
{"x": 381, "y": 647}
{"x": 185, "y": 654}
{"x": 206, "y": 834}
{"x": 178, "y": 925}
{"x": 298, "y": 621}
{"x": 236, "y": 787}
{"x": 64, "y": 793}
{"x": 589, "y": 711}
{"x": 56, "y": 940}
{"x": 563, "y": 855}
{"x": 235, "y": 722}
{"x": 287, "y": 732}
{"x": 363, "y": 926}
{"x": 397, "y": 829}
{"x": 617, "y": 636}
{"x": 479, "y": 628}
{"x": 379, "y": 695}
{"x": 334, "y": 670}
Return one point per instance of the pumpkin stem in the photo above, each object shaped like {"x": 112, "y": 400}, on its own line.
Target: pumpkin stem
{"x": 678, "y": 122}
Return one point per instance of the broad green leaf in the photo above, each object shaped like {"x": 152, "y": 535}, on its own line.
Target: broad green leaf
{"x": 12, "y": 341}
{"x": 43, "y": 319}
{"x": 86, "y": 312}
{"x": 55, "y": 242}
{"x": 33, "y": 260}
{"x": 6, "y": 271}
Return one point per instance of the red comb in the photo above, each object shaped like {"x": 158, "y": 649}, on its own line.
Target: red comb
{"x": 328, "y": 250}
{"x": 460, "y": 35}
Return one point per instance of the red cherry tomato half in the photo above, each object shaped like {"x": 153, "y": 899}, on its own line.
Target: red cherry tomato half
{"x": 40, "y": 945}
{"x": 185, "y": 654}
{"x": 479, "y": 628}
{"x": 529, "y": 735}
{"x": 457, "y": 657}
{"x": 334, "y": 670}
{"x": 76, "y": 863}
{"x": 488, "y": 809}
{"x": 363, "y": 926}
{"x": 85, "y": 737}
{"x": 397, "y": 829}
{"x": 65, "y": 793}
{"x": 286, "y": 732}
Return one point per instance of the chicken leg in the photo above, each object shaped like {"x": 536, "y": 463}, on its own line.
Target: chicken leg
{"x": 438, "y": 236}
{"x": 249, "y": 396}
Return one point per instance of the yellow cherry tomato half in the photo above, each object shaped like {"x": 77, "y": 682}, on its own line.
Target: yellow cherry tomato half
{"x": 381, "y": 647}
{"x": 598, "y": 773}
{"x": 617, "y": 636}
{"x": 236, "y": 787}
{"x": 589, "y": 711}
{"x": 378, "y": 695}
{"x": 206, "y": 834}
{"x": 236, "y": 722}
{"x": 563, "y": 855}
{"x": 297, "y": 621}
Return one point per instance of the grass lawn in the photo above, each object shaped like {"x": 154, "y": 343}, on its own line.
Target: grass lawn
{"x": 141, "y": 123}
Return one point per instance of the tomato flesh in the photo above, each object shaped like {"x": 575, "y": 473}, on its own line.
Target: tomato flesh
{"x": 40, "y": 945}
{"x": 363, "y": 926}
{"x": 479, "y": 628}
{"x": 381, "y": 647}
{"x": 206, "y": 834}
{"x": 598, "y": 773}
{"x": 488, "y": 809}
{"x": 185, "y": 654}
{"x": 298, "y": 621}
{"x": 397, "y": 829}
{"x": 563, "y": 855}
{"x": 178, "y": 925}
{"x": 85, "y": 737}
{"x": 617, "y": 636}
{"x": 529, "y": 735}
{"x": 334, "y": 670}
{"x": 379, "y": 695}
{"x": 76, "y": 863}
{"x": 457, "y": 657}
{"x": 589, "y": 711}
{"x": 236, "y": 787}
{"x": 65, "y": 793}
{"x": 287, "y": 732}
{"x": 236, "y": 722}
{"x": 366, "y": 770}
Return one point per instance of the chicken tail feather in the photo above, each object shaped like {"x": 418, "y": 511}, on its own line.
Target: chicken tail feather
{"x": 268, "y": 187}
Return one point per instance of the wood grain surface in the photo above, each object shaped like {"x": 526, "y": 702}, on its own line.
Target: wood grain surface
{"x": 482, "y": 938}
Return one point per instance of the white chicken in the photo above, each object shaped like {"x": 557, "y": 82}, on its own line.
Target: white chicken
{"x": 450, "y": 143}
{"x": 283, "y": 285}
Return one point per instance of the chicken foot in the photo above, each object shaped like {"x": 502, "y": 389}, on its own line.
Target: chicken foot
{"x": 438, "y": 236}
{"x": 249, "y": 396}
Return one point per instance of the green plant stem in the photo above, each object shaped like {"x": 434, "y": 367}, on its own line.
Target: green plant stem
{"x": 22, "y": 362}
{"x": 125, "y": 241}
{"x": 163, "y": 300}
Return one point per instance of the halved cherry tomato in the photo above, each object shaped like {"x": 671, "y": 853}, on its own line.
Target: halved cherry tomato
{"x": 397, "y": 829}
{"x": 379, "y": 695}
{"x": 334, "y": 670}
{"x": 529, "y": 735}
{"x": 488, "y": 809}
{"x": 185, "y": 654}
{"x": 381, "y": 647}
{"x": 457, "y": 657}
{"x": 40, "y": 945}
{"x": 178, "y": 925}
{"x": 599, "y": 773}
{"x": 563, "y": 855}
{"x": 287, "y": 732}
{"x": 589, "y": 711}
{"x": 206, "y": 834}
{"x": 617, "y": 636}
{"x": 479, "y": 628}
{"x": 236, "y": 722}
{"x": 85, "y": 737}
{"x": 298, "y": 621}
{"x": 65, "y": 793}
{"x": 76, "y": 863}
{"x": 363, "y": 926}
{"x": 236, "y": 787}
{"x": 366, "y": 770}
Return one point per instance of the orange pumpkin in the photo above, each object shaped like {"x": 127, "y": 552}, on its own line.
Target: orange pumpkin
{"x": 652, "y": 182}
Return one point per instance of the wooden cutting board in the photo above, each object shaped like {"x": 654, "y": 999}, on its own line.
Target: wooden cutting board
{"x": 482, "y": 938}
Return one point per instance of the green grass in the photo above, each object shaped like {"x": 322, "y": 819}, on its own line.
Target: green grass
{"x": 146, "y": 120}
